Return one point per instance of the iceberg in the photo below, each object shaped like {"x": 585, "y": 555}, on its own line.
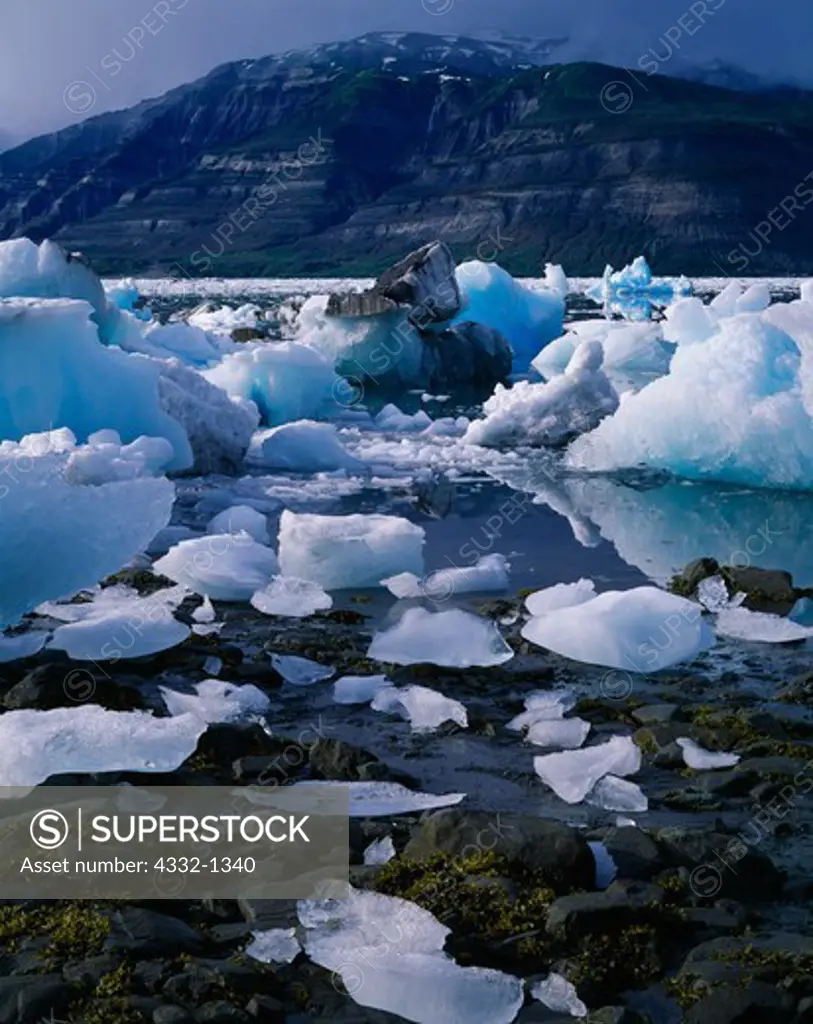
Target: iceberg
{"x": 543, "y": 706}
{"x": 632, "y": 290}
{"x": 304, "y": 447}
{"x": 559, "y": 995}
{"x": 628, "y": 348}
{"x": 225, "y": 567}
{"x": 426, "y": 710}
{"x": 562, "y": 595}
{"x": 759, "y": 627}
{"x": 548, "y": 414}
{"x": 640, "y": 630}
{"x": 452, "y": 639}
{"x": 573, "y": 773}
{"x": 241, "y": 519}
{"x": 54, "y": 372}
{"x": 343, "y": 552}
{"x": 285, "y": 380}
{"x": 61, "y": 534}
{"x": 564, "y": 733}
{"x": 731, "y": 409}
{"x": 528, "y": 319}
{"x": 215, "y": 701}
{"x": 275, "y": 946}
{"x": 614, "y": 794}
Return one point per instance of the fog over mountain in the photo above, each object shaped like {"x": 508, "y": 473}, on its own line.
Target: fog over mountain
{"x": 46, "y": 48}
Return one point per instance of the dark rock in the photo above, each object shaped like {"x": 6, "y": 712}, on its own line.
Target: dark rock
{"x": 556, "y": 851}
{"x": 695, "y": 572}
{"x": 33, "y": 998}
{"x": 359, "y": 304}
{"x": 635, "y": 853}
{"x": 264, "y": 915}
{"x": 657, "y": 714}
{"x": 171, "y": 1015}
{"x": 266, "y": 1009}
{"x": 620, "y": 905}
{"x": 88, "y": 973}
{"x": 721, "y": 865}
{"x": 57, "y": 685}
{"x": 224, "y": 743}
{"x": 244, "y": 334}
{"x": 221, "y": 1012}
{"x": 338, "y": 761}
{"x": 143, "y": 933}
{"x": 756, "y": 1003}
{"x": 766, "y": 590}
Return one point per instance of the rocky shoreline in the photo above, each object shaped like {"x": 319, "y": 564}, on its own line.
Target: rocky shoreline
{"x": 707, "y": 919}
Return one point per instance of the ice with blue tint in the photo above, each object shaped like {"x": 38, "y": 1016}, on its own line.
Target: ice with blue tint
{"x": 528, "y": 319}
{"x": 632, "y": 290}
{"x": 303, "y": 447}
{"x": 54, "y": 372}
{"x": 731, "y": 409}
{"x": 125, "y": 296}
{"x": 61, "y": 534}
{"x": 628, "y": 347}
{"x": 285, "y": 380}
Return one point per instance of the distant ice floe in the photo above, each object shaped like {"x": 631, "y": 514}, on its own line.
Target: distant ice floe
{"x": 451, "y": 639}
{"x": 62, "y": 533}
{"x": 640, "y": 630}
{"x": 344, "y": 552}
{"x": 413, "y": 977}
{"x": 241, "y": 519}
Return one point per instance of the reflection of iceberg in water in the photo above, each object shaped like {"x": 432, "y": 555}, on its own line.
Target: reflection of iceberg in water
{"x": 659, "y": 529}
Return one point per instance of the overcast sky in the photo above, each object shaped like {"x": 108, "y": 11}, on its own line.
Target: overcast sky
{"x": 48, "y": 45}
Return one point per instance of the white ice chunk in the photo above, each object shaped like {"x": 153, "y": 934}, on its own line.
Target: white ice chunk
{"x": 37, "y": 744}
{"x": 241, "y": 519}
{"x": 548, "y": 414}
{"x": 226, "y": 567}
{"x": 759, "y": 627}
{"x": 380, "y": 852}
{"x": 559, "y": 995}
{"x": 566, "y": 733}
{"x": 205, "y": 612}
{"x": 488, "y": 575}
{"x": 303, "y": 447}
{"x": 543, "y": 706}
{"x": 300, "y": 671}
{"x": 614, "y": 794}
{"x": 290, "y": 598}
{"x": 699, "y": 759}
{"x": 275, "y": 946}
{"x": 216, "y": 701}
{"x": 343, "y": 552}
{"x": 358, "y": 689}
{"x": 413, "y": 978}
{"x": 392, "y": 419}
{"x": 573, "y": 773}
{"x": 563, "y": 595}
{"x": 639, "y": 630}
{"x": 712, "y": 593}
{"x": 452, "y": 639}
{"x": 388, "y": 799}
{"x": 424, "y": 709}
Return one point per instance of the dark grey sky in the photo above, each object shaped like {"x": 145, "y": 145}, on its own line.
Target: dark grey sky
{"x": 46, "y": 45}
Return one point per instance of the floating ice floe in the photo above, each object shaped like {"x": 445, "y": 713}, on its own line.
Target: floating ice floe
{"x": 300, "y": 671}
{"x": 413, "y": 978}
{"x": 303, "y": 447}
{"x": 614, "y": 794}
{"x": 241, "y": 519}
{"x": 573, "y": 773}
{"x": 692, "y": 422}
{"x": 488, "y": 575}
{"x": 392, "y": 419}
{"x": 424, "y": 709}
{"x": 119, "y": 625}
{"x": 225, "y": 567}
{"x": 35, "y": 745}
{"x": 559, "y": 995}
{"x": 61, "y": 535}
{"x": 639, "y": 630}
{"x": 565, "y": 733}
{"x": 217, "y": 701}
{"x": 290, "y": 598}
{"x": 358, "y": 689}
{"x": 528, "y": 318}
{"x": 343, "y": 552}
{"x": 380, "y": 852}
{"x": 275, "y": 946}
{"x": 388, "y": 799}
{"x": 548, "y": 414}
{"x": 759, "y": 627}
{"x": 696, "y": 757}
{"x": 563, "y": 595}
{"x": 286, "y": 381}
{"x": 452, "y": 639}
